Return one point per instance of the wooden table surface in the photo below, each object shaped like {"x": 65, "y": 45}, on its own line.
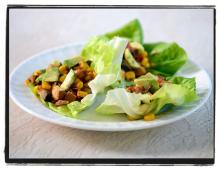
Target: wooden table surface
{"x": 34, "y": 30}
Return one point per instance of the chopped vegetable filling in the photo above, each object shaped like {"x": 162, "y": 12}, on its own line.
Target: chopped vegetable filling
{"x": 61, "y": 84}
{"x": 135, "y": 61}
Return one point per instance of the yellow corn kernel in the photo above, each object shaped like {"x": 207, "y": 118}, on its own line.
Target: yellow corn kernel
{"x": 130, "y": 75}
{"x": 81, "y": 93}
{"x": 37, "y": 73}
{"x": 149, "y": 117}
{"x": 62, "y": 78}
{"x": 83, "y": 65}
{"x": 27, "y": 82}
{"x": 145, "y": 63}
{"x": 35, "y": 89}
{"x": 79, "y": 85}
{"x": 46, "y": 85}
{"x": 63, "y": 69}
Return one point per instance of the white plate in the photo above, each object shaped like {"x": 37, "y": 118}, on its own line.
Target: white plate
{"x": 88, "y": 119}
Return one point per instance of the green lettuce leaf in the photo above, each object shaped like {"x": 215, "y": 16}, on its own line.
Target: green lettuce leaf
{"x": 189, "y": 83}
{"x": 175, "y": 94}
{"x": 63, "y": 110}
{"x": 73, "y": 108}
{"x": 107, "y": 57}
{"x": 132, "y": 31}
{"x": 150, "y": 46}
{"x": 178, "y": 91}
{"x": 166, "y": 58}
{"x": 120, "y": 101}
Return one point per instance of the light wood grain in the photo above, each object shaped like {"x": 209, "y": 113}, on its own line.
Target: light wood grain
{"x": 32, "y": 31}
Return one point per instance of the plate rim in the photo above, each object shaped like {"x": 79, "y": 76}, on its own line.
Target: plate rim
{"x": 101, "y": 123}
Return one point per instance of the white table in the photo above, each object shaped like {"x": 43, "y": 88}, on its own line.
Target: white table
{"x": 34, "y": 30}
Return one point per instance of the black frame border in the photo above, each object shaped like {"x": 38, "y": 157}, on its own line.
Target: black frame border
{"x": 104, "y": 161}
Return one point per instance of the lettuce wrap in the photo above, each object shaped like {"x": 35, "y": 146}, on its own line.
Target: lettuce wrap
{"x": 102, "y": 52}
{"x": 175, "y": 91}
{"x": 166, "y": 58}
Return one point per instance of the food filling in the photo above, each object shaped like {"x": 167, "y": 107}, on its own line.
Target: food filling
{"x": 135, "y": 61}
{"x": 63, "y": 83}
{"x": 147, "y": 84}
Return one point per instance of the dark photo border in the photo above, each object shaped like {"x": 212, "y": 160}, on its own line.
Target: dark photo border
{"x": 104, "y": 161}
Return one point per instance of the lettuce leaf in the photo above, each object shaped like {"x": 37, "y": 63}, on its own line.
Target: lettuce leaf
{"x": 107, "y": 57}
{"x": 120, "y": 101}
{"x": 166, "y": 58}
{"x": 150, "y": 46}
{"x": 132, "y": 31}
{"x": 175, "y": 94}
{"x": 63, "y": 110}
{"x": 73, "y": 108}
{"x": 189, "y": 83}
{"x": 178, "y": 91}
